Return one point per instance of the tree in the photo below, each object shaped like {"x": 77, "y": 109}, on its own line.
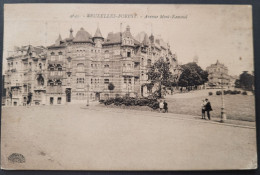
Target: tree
{"x": 246, "y": 81}
{"x": 192, "y": 75}
{"x": 160, "y": 74}
{"x": 111, "y": 87}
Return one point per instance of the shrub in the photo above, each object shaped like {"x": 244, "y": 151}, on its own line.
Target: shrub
{"x": 244, "y": 93}
{"x": 218, "y": 93}
{"x": 210, "y": 93}
{"x": 130, "y": 101}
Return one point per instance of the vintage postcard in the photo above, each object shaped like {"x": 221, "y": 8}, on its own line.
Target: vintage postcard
{"x": 128, "y": 87}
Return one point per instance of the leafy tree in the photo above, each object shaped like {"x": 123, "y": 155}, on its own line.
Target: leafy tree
{"x": 192, "y": 75}
{"x": 111, "y": 86}
{"x": 159, "y": 73}
{"x": 246, "y": 81}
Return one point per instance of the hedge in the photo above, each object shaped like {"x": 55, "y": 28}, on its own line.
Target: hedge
{"x": 131, "y": 101}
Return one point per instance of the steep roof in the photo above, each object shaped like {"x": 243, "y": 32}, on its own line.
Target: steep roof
{"x": 82, "y": 36}
{"x": 98, "y": 34}
{"x": 113, "y": 38}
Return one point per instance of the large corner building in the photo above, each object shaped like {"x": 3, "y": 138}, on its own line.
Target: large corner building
{"x": 81, "y": 67}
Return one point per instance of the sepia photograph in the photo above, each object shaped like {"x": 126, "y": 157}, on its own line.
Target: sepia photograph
{"x": 128, "y": 87}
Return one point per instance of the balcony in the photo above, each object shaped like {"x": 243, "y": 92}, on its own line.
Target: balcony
{"x": 54, "y": 89}
{"x": 127, "y": 72}
{"x": 39, "y": 71}
{"x": 16, "y": 84}
{"x": 39, "y": 88}
{"x": 55, "y": 62}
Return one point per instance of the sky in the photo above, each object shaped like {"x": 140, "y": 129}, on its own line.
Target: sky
{"x": 209, "y": 32}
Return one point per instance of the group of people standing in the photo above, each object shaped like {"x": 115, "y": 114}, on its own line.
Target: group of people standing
{"x": 205, "y": 108}
{"x": 163, "y": 106}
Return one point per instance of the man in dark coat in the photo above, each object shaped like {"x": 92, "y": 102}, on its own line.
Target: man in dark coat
{"x": 208, "y": 108}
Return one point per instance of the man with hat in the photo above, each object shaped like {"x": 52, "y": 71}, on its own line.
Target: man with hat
{"x": 208, "y": 108}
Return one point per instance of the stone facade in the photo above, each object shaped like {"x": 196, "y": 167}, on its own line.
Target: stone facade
{"x": 79, "y": 69}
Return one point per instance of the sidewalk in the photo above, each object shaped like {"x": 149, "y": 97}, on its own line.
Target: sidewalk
{"x": 214, "y": 120}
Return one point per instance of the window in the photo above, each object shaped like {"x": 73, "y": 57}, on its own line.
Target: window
{"x": 125, "y": 80}
{"x": 59, "y": 68}
{"x": 51, "y": 100}
{"x": 91, "y": 81}
{"x": 106, "y": 54}
{"x": 80, "y": 80}
{"x": 59, "y": 100}
{"x": 40, "y": 65}
{"x": 80, "y": 67}
{"x": 129, "y": 81}
{"x": 128, "y": 54}
{"x": 51, "y": 83}
{"x": 149, "y": 62}
{"x": 106, "y": 81}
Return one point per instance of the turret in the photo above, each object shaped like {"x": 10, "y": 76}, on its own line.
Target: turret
{"x": 98, "y": 38}
{"x": 57, "y": 42}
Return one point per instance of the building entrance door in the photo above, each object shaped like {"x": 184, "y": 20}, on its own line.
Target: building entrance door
{"x": 97, "y": 98}
{"x": 51, "y": 100}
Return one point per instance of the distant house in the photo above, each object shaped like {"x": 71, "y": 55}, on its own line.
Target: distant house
{"x": 218, "y": 74}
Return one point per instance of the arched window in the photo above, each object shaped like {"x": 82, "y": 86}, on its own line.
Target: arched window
{"x": 59, "y": 67}
{"x": 52, "y": 56}
{"x": 106, "y": 69}
{"x": 149, "y": 62}
{"x": 80, "y": 67}
{"x": 106, "y": 54}
{"x": 60, "y": 56}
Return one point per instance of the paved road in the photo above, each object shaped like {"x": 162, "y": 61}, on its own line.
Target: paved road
{"x": 69, "y": 137}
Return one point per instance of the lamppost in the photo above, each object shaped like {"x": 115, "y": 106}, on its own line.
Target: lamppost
{"x": 223, "y": 114}
{"x": 87, "y": 95}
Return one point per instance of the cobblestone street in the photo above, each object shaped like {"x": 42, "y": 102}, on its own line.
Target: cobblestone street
{"x": 58, "y": 137}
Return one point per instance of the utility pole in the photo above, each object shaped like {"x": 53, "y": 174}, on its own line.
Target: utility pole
{"x": 223, "y": 114}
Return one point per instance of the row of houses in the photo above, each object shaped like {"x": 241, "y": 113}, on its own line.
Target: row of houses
{"x": 81, "y": 67}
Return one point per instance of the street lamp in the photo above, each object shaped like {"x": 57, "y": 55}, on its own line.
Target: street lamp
{"x": 87, "y": 95}
{"x": 223, "y": 114}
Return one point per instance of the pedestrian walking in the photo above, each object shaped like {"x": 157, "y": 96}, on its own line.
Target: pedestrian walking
{"x": 165, "y": 106}
{"x": 208, "y": 108}
{"x": 161, "y": 106}
{"x": 203, "y": 107}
